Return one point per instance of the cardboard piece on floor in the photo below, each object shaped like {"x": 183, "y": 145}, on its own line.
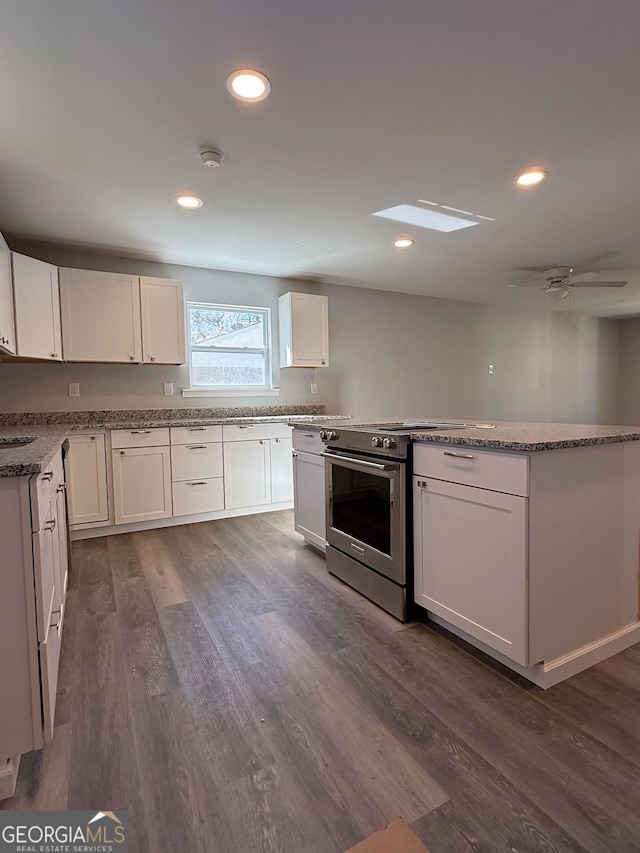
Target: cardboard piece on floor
{"x": 397, "y": 837}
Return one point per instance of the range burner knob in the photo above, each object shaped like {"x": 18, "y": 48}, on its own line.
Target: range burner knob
{"x": 324, "y": 435}
{"x": 332, "y": 435}
{"x": 376, "y": 441}
{"x": 389, "y": 443}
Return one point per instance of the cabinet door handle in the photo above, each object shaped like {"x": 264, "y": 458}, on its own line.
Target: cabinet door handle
{"x": 459, "y": 455}
{"x": 152, "y": 358}
{"x": 48, "y": 475}
{"x": 122, "y": 453}
{"x": 196, "y": 447}
{"x": 140, "y": 432}
{"x": 261, "y": 441}
{"x": 61, "y": 488}
{"x": 50, "y": 525}
{"x": 93, "y": 438}
{"x": 294, "y": 453}
{"x": 132, "y": 358}
{"x": 198, "y": 483}
{"x": 57, "y": 614}
{"x": 54, "y": 355}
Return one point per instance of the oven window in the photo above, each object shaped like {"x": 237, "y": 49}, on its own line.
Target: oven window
{"x": 362, "y": 506}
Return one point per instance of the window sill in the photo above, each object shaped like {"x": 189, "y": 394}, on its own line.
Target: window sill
{"x": 209, "y": 392}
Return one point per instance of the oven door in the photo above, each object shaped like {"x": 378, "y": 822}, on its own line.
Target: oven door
{"x": 365, "y": 503}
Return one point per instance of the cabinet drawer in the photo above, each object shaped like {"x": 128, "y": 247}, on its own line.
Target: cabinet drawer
{"x": 196, "y": 461}
{"x": 44, "y": 487}
{"x": 499, "y": 472}
{"x": 196, "y": 434}
{"x": 155, "y": 437}
{"x": 308, "y": 441}
{"x": 254, "y": 432}
{"x": 45, "y": 577}
{"x": 195, "y": 496}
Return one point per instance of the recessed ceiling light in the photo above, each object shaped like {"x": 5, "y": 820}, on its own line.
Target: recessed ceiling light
{"x": 432, "y": 219}
{"x": 190, "y": 202}
{"x": 531, "y": 177}
{"x": 403, "y": 243}
{"x": 248, "y": 85}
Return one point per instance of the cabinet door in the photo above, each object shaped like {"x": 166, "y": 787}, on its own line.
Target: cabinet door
{"x": 308, "y": 500}
{"x": 304, "y": 330}
{"x": 163, "y": 321}
{"x": 471, "y": 561}
{"x": 281, "y": 470}
{"x": 100, "y": 316}
{"x": 247, "y": 475}
{"x": 7, "y": 324}
{"x": 87, "y": 479}
{"x": 141, "y": 483}
{"x": 37, "y": 308}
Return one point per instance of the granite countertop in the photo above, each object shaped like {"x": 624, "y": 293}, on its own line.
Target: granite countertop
{"x": 49, "y": 434}
{"x": 531, "y": 437}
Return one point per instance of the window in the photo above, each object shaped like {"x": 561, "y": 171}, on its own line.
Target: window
{"x": 229, "y": 347}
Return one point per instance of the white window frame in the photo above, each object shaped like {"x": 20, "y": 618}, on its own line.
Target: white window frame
{"x": 232, "y": 390}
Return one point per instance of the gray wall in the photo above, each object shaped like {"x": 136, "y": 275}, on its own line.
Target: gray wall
{"x": 630, "y": 372}
{"x": 391, "y": 354}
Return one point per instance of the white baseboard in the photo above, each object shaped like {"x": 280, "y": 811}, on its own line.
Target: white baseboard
{"x": 548, "y": 673}
{"x": 8, "y": 777}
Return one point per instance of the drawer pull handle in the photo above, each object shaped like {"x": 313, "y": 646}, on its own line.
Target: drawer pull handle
{"x": 48, "y": 475}
{"x": 140, "y": 432}
{"x": 50, "y": 525}
{"x": 199, "y": 483}
{"x": 308, "y": 435}
{"x": 246, "y": 426}
{"x": 196, "y": 429}
{"x": 196, "y": 447}
{"x": 459, "y": 455}
{"x": 57, "y": 614}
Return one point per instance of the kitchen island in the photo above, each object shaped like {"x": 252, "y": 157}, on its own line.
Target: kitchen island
{"x": 525, "y": 538}
{"x": 526, "y": 541}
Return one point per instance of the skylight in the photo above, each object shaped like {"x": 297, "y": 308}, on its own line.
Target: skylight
{"x": 433, "y": 219}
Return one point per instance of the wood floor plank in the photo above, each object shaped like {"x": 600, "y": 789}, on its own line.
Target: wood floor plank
{"x": 219, "y": 702}
{"x": 154, "y": 551}
{"x": 95, "y": 580}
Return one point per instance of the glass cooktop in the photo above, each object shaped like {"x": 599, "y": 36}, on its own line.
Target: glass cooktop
{"x": 417, "y": 426}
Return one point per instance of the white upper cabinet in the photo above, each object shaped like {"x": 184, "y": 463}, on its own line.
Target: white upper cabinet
{"x": 163, "y": 320}
{"x": 121, "y": 318}
{"x": 37, "y": 308}
{"x": 7, "y": 324}
{"x": 304, "y": 330}
{"x": 100, "y": 316}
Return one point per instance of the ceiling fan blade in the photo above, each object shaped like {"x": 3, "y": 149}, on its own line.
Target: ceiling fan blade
{"x": 598, "y": 283}
{"x": 540, "y": 282}
{"x": 596, "y": 259}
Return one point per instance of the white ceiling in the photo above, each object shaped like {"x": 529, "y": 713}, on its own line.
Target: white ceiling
{"x": 104, "y": 104}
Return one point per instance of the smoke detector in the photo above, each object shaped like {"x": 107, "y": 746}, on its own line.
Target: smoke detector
{"x": 211, "y": 156}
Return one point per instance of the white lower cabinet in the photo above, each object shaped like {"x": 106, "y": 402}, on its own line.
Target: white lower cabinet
{"x": 141, "y": 484}
{"x": 470, "y": 547}
{"x": 309, "y": 486}
{"x": 257, "y": 465}
{"x": 87, "y": 479}
{"x": 34, "y": 570}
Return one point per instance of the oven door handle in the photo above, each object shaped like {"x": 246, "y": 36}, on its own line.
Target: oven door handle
{"x": 378, "y": 466}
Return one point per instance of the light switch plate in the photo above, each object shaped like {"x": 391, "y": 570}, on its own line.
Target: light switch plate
{"x": 74, "y": 389}
{"x": 168, "y": 389}
{"x": 314, "y": 387}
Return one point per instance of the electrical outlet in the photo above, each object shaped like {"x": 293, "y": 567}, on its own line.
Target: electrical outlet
{"x": 314, "y": 387}
{"x": 490, "y": 368}
{"x": 74, "y": 389}
{"x": 168, "y": 389}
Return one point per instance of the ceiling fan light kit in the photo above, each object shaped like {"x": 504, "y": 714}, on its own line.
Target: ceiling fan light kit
{"x": 563, "y": 280}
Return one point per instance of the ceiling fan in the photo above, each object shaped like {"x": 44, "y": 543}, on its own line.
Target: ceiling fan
{"x": 560, "y": 281}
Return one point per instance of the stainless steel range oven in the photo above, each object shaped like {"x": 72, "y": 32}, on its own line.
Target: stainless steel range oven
{"x": 367, "y": 514}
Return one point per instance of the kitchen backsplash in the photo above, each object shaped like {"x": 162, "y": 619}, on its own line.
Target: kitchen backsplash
{"x": 118, "y": 415}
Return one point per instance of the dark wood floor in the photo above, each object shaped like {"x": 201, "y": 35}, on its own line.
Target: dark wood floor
{"x": 219, "y": 685}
